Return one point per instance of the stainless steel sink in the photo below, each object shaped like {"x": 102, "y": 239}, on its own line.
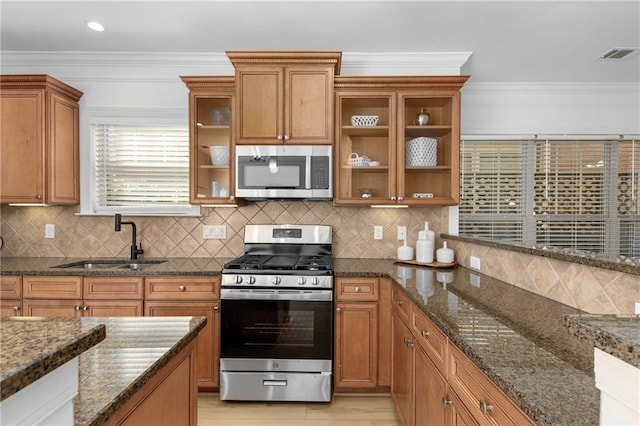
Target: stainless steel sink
{"x": 110, "y": 264}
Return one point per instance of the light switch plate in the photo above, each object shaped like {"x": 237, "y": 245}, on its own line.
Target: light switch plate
{"x": 49, "y": 230}
{"x": 402, "y": 232}
{"x": 377, "y": 232}
{"x": 214, "y": 232}
{"x": 474, "y": 262}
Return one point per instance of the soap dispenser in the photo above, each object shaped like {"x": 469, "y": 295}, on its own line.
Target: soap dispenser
{"x": 425, "y": 245}
{"x": 405, "y": 252}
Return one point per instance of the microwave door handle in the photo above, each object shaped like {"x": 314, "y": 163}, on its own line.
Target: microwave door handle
{"x": 307, "y": 169}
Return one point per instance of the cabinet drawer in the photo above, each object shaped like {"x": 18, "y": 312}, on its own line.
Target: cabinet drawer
{"x": 482, "y": 398}
{"x": 118, "y": 288}
{"x": 181, "y": 288}
{"x": 10, "y": 287}
{"x": 51, "y": 287}
{"x": 10, "y": 308}
{"x": 400, "y": 304}
{"x": 430, "y": 338}
{"x": 357, "y": 289}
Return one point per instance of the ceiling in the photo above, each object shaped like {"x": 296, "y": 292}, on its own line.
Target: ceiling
{"x": 514, "y": 41}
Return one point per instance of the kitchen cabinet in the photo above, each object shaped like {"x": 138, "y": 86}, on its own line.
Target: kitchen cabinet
{"x": 356, "y": 333}
{"x": 211, "y": 117}
{"x": 372, "y": 164}
{"x": 10, "y": 295}
{"x": 73, "y": 296}
{"x": 39, "y": 140}
{"x": 480, "y": 397}
{"x": 285, "y": 97}
{"x": 402, "y": 371}
{"x": 191, "y": 296}
{"x": 169, "y": 398}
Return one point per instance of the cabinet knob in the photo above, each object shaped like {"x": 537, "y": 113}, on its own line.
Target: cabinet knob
{"x": 15, "y": 308}
{"x": 38, "y": 197}
{"x": 279, "y": 137}
{"x": 357, "y": 289}
{"x": 424, "y": 333}
{"x": 216, "y": 309}
{"x": 409, "y": 343}
{"x": 85, "y": 308}
{"x": 338, "y": 309}
{"x": 76, "y": 308}
{"x": 446, "y": 401}
{"x": 231, "y": 197}
{"x": 393, "y": 198}
{"x": 400, "y": 198}
{"x": 485, "y": 407}
{"x": 287, "y": 137}
{"x": 182, "y": 288}
{"x": 399, "y": 302}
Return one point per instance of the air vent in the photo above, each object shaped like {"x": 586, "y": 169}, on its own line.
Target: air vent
{"x": 619, "y": 53}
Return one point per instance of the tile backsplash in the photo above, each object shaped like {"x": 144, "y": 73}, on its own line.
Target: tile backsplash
{"x": 22, "y": 229}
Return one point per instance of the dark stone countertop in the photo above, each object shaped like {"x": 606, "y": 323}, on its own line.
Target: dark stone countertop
{"x": 30, "y": 348}
{"x": 135, "y": 349}
{"x": 515, "y": 337}
{"x": 617, "y": 335}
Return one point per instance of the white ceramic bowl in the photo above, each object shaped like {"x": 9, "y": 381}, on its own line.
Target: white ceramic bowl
{"x": 219, "y": 155}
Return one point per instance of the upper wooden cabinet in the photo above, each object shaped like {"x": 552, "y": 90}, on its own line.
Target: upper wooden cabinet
{"x": 394, "y": 160}
{"x": 285, "y": 97}
{"x": 39, "y": 140}
{"x": 211, "y": 114}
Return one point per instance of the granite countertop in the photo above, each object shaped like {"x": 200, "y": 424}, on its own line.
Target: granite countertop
{"x": 31, "y": 347}
{"x": 618, "y": 335}
{"x": 135, "y": 349}
{"x": 515, "y": 337}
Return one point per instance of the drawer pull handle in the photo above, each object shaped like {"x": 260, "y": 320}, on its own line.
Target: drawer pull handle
{"x": 182, "y": 288}
{"x": 484, "y": 407}
{"x": 446, "y": 401}
{"x": 424, "y": 333}
{"x": 357, "y": 289}
{"x": 399, "y": 302}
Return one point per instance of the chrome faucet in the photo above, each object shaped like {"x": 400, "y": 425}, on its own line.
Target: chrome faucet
{"x": 135, "y": 251}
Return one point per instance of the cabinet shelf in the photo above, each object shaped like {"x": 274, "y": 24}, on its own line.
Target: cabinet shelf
{"x": 214, "y": 167}
{"x": 434, "y": 169}
{"x": 366, "y": 130}
{"x": 211, "y": 127}
{"x": 416, "y": 131}
{"x": 370, "y": 169}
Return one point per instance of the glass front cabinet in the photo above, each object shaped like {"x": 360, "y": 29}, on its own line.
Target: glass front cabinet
{"x": 211, "y": 139}
{"x": 397, "y": 140}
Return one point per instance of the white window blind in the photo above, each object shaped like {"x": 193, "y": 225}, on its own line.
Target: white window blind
{"x": 579, "y": 195}
{"x": 141, "y": 168}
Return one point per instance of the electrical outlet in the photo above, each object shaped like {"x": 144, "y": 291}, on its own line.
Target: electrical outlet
{"x": 474, "y": 262}
{"x": 214, "y": 232}
{"x": 637, "y": 310}
{"x": 402, "y": 232}
{"x": 49, "y": 230}
{"x": 377, "y": 232}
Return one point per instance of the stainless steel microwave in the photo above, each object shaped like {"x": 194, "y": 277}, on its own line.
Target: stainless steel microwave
{"x": 284, "y": 171}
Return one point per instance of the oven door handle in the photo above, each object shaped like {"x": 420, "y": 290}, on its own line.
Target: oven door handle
{"x": 275, "y": 294}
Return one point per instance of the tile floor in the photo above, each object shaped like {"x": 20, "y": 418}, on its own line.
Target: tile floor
{"x": 344, "y": 410}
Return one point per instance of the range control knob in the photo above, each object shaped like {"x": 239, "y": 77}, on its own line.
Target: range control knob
{"x": 251, "y": 279}
{"x": 276, "y": 280}
{"x": 237, "y": 279}
{"x": 302, "y": 281}
{"x": 314, "y": 280}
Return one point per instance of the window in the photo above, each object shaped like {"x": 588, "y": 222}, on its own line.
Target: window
{"x": 578, "y": 195}
{"x": 138, "y": 169}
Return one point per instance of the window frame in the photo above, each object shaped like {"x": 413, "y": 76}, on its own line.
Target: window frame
{"x": 124, "y": 116}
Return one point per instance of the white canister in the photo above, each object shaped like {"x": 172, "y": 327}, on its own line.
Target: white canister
{"x": 425, "y": 245}
{"x": 444, "y": 254}
{"x": 405, "y": 252}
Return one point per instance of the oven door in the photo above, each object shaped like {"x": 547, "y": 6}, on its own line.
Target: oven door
{"x": 276, "y": 324}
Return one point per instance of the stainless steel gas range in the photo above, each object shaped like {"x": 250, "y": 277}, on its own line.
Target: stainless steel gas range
{"x": 277, "y": 316}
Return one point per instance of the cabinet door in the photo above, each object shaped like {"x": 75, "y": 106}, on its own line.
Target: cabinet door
{"x": 359, "y": 142}
{"x": 356, "y": 345}
{"x": 208, "y": 346}
{"x": 402, "y": 369}
{"x": 430, "y": 395}
{"x": 52, "y": 307}
{"x": 260, "y": 105}
{"x": 211, "y": 118}
{"x": 63, "y": 152}
{"x": 21, "y": 144}
{"x": 429, "y": 153}
{"x": 10, "y": 308}
{"x": 308, "y": 101}
{"x": 10, "y": 287}
{"x": 112, "y": 308}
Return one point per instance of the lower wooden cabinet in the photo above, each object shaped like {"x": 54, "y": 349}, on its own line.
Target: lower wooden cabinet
{"x": 169, "y": 398}
{"x": 402, "y": 370}
{"x": 10, "y": 296}
{"x": 430, "y": 393}
{"x": 191, "y": 296}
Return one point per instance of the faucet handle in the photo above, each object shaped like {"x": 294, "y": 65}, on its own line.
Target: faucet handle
{"x": 139, "y": 250}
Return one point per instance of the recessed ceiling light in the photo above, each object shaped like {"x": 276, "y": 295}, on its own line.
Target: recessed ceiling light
{"x": 95, "y": 26}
